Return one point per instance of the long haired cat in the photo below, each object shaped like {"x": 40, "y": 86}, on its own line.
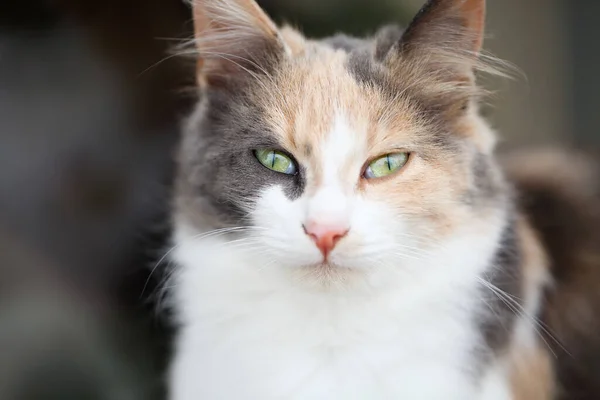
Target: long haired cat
{"x": 343, "y": 230}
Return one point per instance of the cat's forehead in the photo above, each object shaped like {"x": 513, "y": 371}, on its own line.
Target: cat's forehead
{"x": 316, "y": 94}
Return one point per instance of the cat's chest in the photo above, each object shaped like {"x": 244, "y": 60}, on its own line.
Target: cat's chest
{"x": 251, "y": 334}
{"x": 286, "y": 346}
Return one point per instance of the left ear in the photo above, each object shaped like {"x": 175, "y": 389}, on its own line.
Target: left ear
{"x": 445, "y": 38}
{"x": 235, "y": 40}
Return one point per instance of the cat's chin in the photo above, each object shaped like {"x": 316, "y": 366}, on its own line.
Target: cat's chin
{"x": 321, "y": 265}
{"x": 327, "y": 275}
{"x": 327, "y": 267}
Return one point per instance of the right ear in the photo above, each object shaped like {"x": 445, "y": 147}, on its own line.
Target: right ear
{"x": 444, "y": 40}
{"x": 235, "y": 39}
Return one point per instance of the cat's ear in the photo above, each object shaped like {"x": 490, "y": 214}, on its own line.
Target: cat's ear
{"x": 452, "y": 24}
{"x": 235, "y": 39}
{"x": 445, "y": 38}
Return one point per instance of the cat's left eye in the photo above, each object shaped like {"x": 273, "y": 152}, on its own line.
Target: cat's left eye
{"x": 386, "y": 165}
{"x": 276, "y": 161}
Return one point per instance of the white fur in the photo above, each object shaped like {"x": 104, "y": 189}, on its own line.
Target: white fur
{"x": 331, "y": 204}
{"x": 495, "y": 382}
{"x": 394, "y": 321}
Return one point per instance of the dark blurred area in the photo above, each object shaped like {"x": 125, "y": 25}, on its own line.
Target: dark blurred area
{"x": 90, "y": 105}
{"x": 88, "y": 124}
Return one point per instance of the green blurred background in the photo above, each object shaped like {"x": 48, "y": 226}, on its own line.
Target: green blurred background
{"x": 89, "y": 112}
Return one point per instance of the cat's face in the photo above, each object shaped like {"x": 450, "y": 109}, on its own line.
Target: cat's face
{"x": 340, "y": 154}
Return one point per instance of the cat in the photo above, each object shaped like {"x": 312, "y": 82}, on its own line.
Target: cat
{"x": 343, "y": 229}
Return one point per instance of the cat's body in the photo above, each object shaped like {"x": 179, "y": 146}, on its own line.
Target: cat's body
{"x": 342, "y": 229}
{"x": 559, "y": 191}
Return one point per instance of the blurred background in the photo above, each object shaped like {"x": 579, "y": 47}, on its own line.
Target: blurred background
{"x": 90, "y": 103}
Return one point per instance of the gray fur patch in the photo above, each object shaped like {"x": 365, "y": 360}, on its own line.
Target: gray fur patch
{"x": 345, "y": 42}
{"x": 219, "y": 170}
{"x": 486, "y": 187}
{"x": 501, "y": 313}
{"x": 483, "y": 175}
{"x": 386, "y": 38}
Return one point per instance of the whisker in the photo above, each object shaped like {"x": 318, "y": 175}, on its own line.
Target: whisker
{"x": 199, "y": 236}
{"x": 519, "y": 310}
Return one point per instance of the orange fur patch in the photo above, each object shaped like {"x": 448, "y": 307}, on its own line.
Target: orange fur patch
{"x": 530, "y": 364}
{"x": 314, "y": 87}
{"x": 531, "y": 374}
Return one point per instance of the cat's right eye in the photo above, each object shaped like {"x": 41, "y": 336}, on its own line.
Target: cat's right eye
{"x": 276, "y": 161}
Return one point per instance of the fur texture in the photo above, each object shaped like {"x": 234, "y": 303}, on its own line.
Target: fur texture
{"x": 435, "y": 289}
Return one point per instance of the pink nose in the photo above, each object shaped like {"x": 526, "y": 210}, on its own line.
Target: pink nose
{"x": 325, "y": 236}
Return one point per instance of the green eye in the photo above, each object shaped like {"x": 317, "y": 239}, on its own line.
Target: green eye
{"x": 276, "y": 161}
{"x": 386, "y": 165}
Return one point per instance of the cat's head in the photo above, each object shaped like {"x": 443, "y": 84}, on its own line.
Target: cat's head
{"x": 340, "y": 154}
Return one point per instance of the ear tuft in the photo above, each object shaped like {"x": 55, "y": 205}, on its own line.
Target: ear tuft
{"x": 234, "y": 38}
{"x": 385, "y": 39}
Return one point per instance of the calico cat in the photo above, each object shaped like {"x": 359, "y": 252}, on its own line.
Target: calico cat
{"x": 343, "y": 229}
